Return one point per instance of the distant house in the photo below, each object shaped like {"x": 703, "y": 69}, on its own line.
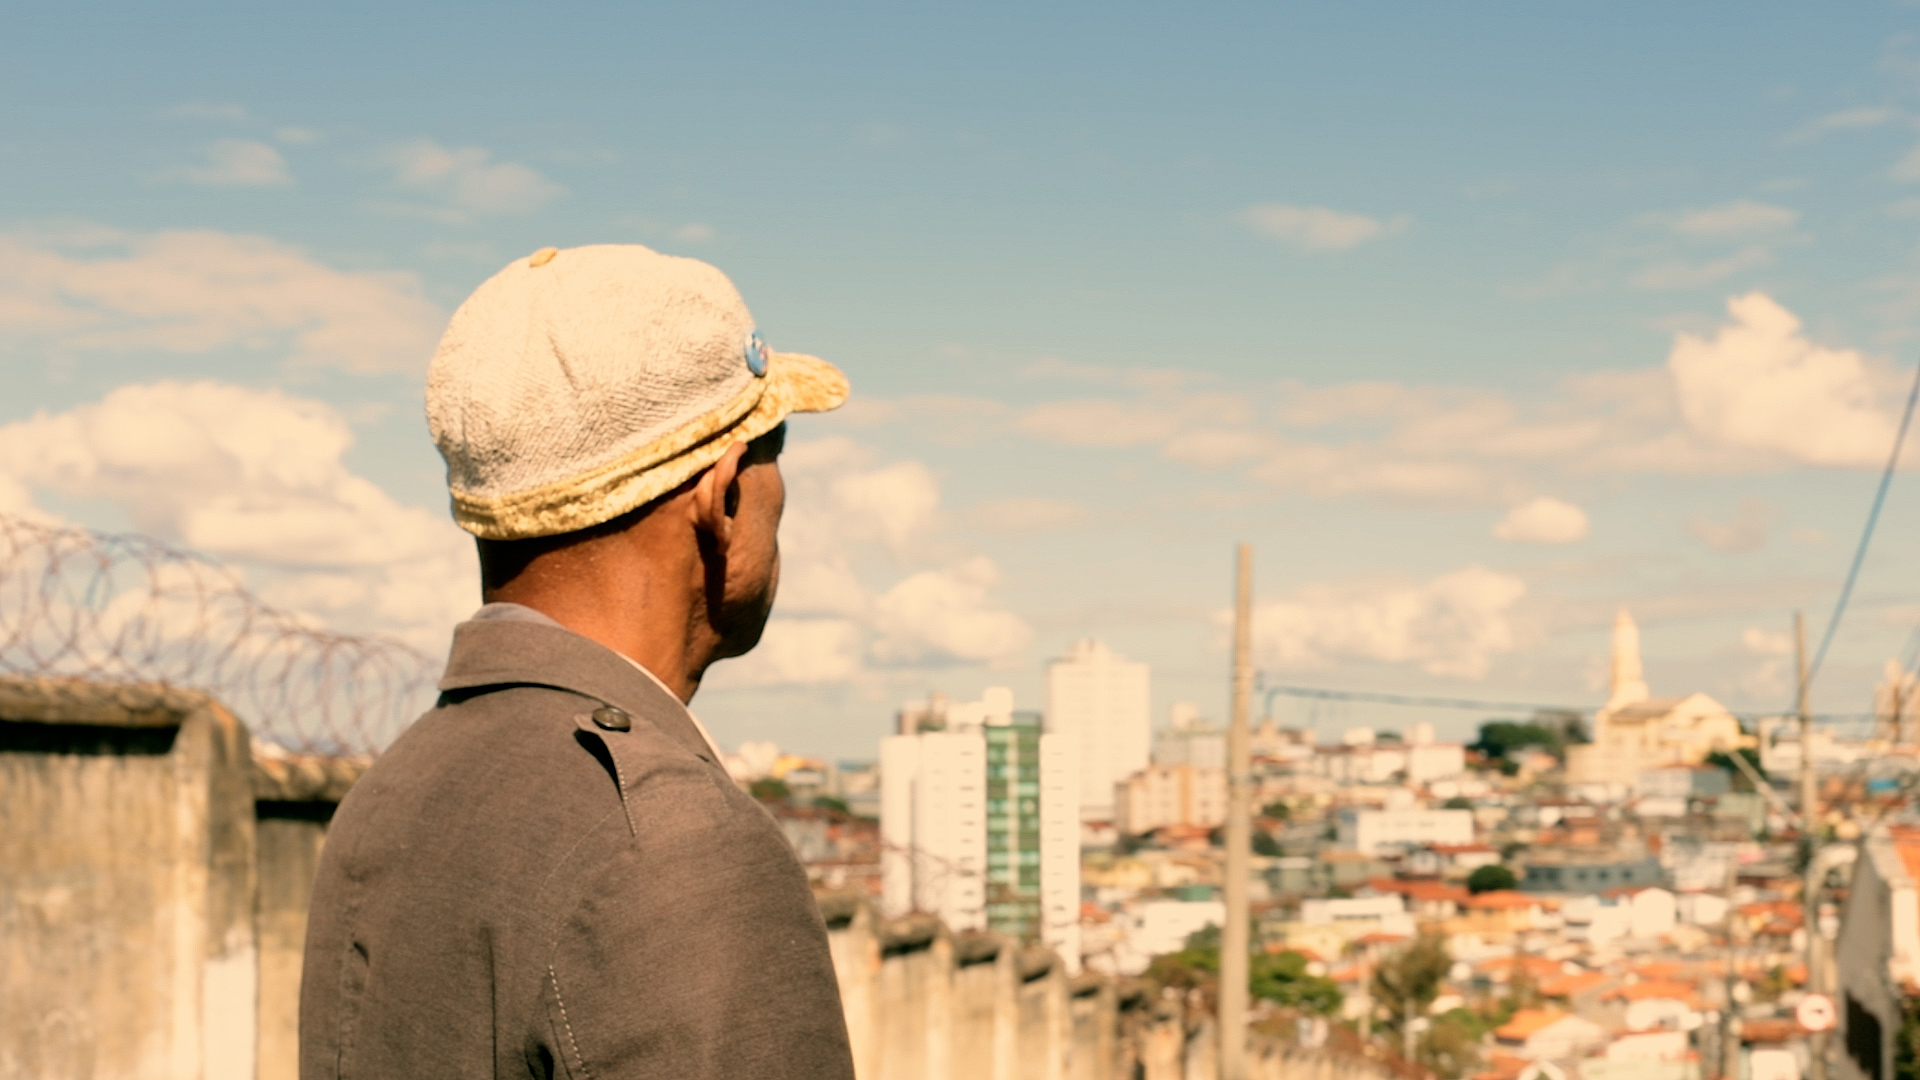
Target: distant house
{"x": 1548, "y": 1035}
{"x": 1427, "y": 901}
{"x": 1572, "y": 870}
{"x": 1502, "y": 912}
{"x": 1367, "y": 831}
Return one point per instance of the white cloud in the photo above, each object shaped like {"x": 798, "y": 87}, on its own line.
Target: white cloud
{"x": 235, "y": 472}
{"x": 256, "y": 477}
{"x": 1158, "y": 415}
{"x": 1765, "y": 642}
{"x": 1742, "y": 217}
{"x": 187, "y": 292}
{"x": 467, "y": 181}
{"x": 1855, "y": 119}
{"x": 847, "y": 517}
{"x": 797, "y": 652}
{"x": 1215, "y": 448}
{"x": 1907, "y": 169}
{"x": 1543, "y": 520}
{"x": 1318, "y": 228}
{"x": 237, "y": 163}
{"x": 897, "y": 501}
{"x": 1454, "y": 625}
{"x": 1754, "y": 396}
{"x": 1758, "y": 383}
{"x": 296, "y": 136}
{"x": 1692, "y": 275}
{"x": 693, "y": 233}
{"x": 1745, "y": 531}
{"x": 945, "y": 615}
{"x": 1026, "y": 515}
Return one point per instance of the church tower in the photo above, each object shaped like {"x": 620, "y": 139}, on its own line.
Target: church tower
{"x": 1627, "y": 684}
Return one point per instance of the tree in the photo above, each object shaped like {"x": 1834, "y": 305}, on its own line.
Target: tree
{"x": 1408, "y": 981}
{"x": 1265, "y": 844}
{"x": 1458, "y": 802}
{"x": 1492, "y": 877}
{"x": 1452, "y": 1045}
{"x": 1282, "y": 979}
{"x": 1277, "y": 977}
{"x": 1278, "y": 811}
{"x": 768, "y": 789}
{"x": 1499, "y": 738}
{"x": 829, "y": 802}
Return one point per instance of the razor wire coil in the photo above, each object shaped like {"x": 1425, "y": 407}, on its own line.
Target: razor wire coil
{"x": 126, "y": 609}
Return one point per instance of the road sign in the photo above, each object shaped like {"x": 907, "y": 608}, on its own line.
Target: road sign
{"x": 1815, "y": 1012}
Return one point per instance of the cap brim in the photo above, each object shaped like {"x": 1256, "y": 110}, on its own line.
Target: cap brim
{"x": 805, "y": 383}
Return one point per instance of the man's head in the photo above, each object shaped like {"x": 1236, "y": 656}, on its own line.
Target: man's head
{"x": 611, "y": 422}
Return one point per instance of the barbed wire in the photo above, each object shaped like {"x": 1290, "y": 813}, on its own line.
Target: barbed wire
{"x": 129, "y": 609}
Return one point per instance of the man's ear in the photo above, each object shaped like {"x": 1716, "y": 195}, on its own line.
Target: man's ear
{"x": 716, "y": 496}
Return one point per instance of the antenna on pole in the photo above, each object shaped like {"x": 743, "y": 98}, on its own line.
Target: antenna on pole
{"x": 1235, "y": 946}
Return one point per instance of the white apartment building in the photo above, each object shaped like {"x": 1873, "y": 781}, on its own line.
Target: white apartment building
{"x": 1190, "y": 740}
{"x": 933, "y": 827}
{"x": 1366, "y": 831}
{"x": 1161, "y": 795}
{"x": 1100, "y": 702}
{"x": 980, "y": 825}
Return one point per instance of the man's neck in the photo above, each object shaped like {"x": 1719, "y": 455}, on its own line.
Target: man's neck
{"x": 653, "y": 627}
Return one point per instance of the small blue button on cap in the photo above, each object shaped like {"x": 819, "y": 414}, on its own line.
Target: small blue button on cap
{"x": 756, "y": 355}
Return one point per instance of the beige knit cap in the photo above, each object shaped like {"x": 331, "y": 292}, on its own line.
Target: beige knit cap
{"x": 574, "y": 386}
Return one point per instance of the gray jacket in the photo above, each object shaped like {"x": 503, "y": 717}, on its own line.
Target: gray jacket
{"x": 549, "y": 875}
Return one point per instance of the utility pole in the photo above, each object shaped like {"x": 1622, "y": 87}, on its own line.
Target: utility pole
{"x": 1810, "y": 840}
{"x": 1234, "y": 944}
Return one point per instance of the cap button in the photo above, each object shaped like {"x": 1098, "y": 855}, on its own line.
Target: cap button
{"x": 612, "y": 719}
{"x": 543, "y": 256}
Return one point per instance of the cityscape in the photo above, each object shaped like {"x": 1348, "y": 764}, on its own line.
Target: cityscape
{"x": 1604, "y": 893}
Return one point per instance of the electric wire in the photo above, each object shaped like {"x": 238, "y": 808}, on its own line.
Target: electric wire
{"x": 1866, "y": 534}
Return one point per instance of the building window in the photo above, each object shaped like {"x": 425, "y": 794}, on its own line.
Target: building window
{"x": 1863, "y": 1039}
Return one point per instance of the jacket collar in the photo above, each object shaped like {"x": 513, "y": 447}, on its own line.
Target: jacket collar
{"x": 514, "y": 652}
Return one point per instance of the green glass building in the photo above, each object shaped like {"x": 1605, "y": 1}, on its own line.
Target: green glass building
{"x": 1013, "y": 827}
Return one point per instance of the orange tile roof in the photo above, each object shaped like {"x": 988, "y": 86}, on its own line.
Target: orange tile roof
{"x": 1378, "y": 937}
{"x": 1527, "y": 1022}
{"x": 1425, "y": 890}
{"x": 1569, "y": 985}
{"x": 1770, "y": 1030}
{"x": 1664, "y": 969}
{"x": 1503, "y": 899}
{"x": 1537, "y": 966}
{"x": 1653, "y": 990}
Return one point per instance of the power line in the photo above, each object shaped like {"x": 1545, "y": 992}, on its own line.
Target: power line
{"x": 1866, "y": 534}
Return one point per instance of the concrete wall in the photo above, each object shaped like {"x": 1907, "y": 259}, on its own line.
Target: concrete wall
{"x": 923, "y": 1004}
{"x": 126, "y": 885}
{"x": 153, "y": 886}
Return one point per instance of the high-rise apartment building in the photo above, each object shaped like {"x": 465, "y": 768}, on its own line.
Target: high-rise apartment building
{"x": 978, "y": 818}
{"x": 1100, "y": 703}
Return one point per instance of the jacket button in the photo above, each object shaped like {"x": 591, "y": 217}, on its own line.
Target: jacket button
{"x": 612, "y": 719}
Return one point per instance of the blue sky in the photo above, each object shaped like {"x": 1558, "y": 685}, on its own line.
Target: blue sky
{"x": 1431, "y": 305}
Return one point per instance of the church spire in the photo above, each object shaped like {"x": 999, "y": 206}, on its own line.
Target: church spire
{"x": 1628, "y": 683}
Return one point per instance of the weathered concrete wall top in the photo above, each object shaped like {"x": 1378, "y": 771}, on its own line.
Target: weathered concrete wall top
{"x": 127, "y": 884}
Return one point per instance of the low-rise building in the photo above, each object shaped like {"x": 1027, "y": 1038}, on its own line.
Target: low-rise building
{"x": 1573, "y": 870}
{"x": 1163, "y": 795}
{"x": 1368, "y": 831}
{"x": 1548, "y": 1035}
